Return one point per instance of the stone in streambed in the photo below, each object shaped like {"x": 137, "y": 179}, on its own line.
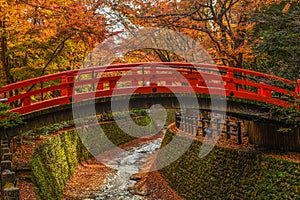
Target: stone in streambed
{"x": 136, "y": 177}
{"x": 142, "y": 191}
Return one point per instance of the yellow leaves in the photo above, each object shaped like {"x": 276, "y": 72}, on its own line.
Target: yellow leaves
{"x": 50, "y": 34}
{"x": 3, "y": 4}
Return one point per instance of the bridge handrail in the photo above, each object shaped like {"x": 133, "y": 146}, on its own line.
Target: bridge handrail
{"x": 233, "y": 78}
{"x": 37, "y": 80}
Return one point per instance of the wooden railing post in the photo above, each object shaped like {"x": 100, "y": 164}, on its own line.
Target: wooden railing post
{"x": 263, "y": 91}
{"x": 65, "y": 90}
{"x": 153, "y": 79}
{"x": 185, "y": 129}
{"x": 184, "y": 122}
{"x": 93, "y": 77}
{"x": 26, "y": 101}
{"x": 219, "y": 131}
{"x": 190, "y": 123}
{"x": 197, "y": 125}
{"x": 112, "y": 84}
{"x": 177, "y": 120}
{"x": 193, "y": 122}
{"x": 100, "y": 86}
{"x": 70, "y": 80}
{"x": 203, "y": 127}
{"x": 69, "y": 90}
{"x": 239, "y": 130}
{"x": 134, "y": 82}
{"x": 227, "y": 129}
{"x": 230, "y": 85}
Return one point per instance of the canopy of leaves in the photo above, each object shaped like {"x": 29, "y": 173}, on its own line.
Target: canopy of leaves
{"x": 44, "y": 36}
{"x": 222, "y": 27}
{"x": 277, "y": 33}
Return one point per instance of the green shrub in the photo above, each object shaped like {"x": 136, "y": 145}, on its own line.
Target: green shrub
{"x": 9, "y": 119}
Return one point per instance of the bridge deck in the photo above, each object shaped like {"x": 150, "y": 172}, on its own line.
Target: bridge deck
{"x": 148, "y": 78}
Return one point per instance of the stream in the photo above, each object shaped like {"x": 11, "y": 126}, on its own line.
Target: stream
{"x": 116, "y": 185}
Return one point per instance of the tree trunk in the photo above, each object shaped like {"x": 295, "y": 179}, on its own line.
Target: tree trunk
{"x": 3, "y": 56}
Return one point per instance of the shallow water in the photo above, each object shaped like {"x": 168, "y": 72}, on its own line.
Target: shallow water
{"x": 126, "y": 164}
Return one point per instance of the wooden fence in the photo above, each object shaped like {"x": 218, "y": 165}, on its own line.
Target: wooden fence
{"x": 195, "y": 124}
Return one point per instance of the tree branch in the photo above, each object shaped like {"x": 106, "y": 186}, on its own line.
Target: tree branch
{"x": 57, "y": 50}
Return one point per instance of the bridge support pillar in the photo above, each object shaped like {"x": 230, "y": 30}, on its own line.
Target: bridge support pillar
{"x": 267, "y": 136}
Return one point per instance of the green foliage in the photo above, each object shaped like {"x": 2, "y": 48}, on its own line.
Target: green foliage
{"x": 170, "y": 116}
{"x": 278, "y": 32}
{"x": 46, "y": 130}
{"x": 291, "y": 116}
{"x": 231, "y": 174}
{"x": 9, "y": 119}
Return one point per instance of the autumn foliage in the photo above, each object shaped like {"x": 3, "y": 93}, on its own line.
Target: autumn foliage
{"x": 41, "y": 36}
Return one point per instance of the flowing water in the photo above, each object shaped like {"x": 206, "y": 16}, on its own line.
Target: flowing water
{"x": 116, "y": 185}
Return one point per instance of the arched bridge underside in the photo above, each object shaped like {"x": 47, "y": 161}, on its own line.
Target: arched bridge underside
{"x": 242, "y": 109}
{"x": 53, "y": 98}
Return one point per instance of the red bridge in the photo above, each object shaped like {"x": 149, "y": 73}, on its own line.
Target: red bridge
{"x": 58, "y": 89}
{"x": 249, "y": 94}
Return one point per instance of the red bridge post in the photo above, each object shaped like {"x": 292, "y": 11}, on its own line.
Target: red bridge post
{"x": 26, "y": 101}
{"x": 67, "y": 91}
{"x": 112, "y": 84}
{"x": 134, "y": 82}
{"x": 263, "y": 91}
{"x": 153, "y": 79}
{"x": 230, "y": 85}
{"x": 297, "y": 88}
{"x": 63, "y": 81}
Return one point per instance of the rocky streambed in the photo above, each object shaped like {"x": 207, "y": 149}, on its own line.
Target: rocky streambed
{"x": 125, "y": 164}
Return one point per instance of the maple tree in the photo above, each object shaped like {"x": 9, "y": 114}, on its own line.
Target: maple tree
{"x": 223, "y": 27}
{"x": 43, "y": 36}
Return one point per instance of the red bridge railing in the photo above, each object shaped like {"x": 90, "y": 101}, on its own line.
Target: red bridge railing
{"x": 71, "y": 86}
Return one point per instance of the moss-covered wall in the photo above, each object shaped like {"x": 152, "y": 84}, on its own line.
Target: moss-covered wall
{"x": 231, "y": 174}
{"x": 54, "y": 161}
